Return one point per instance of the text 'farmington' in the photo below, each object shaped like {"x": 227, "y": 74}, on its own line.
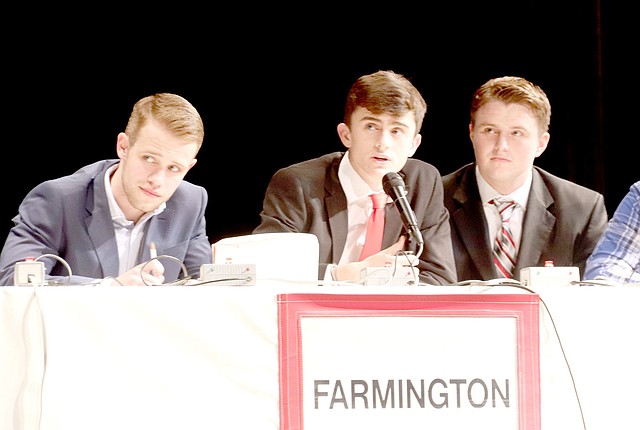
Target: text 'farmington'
{"x": 399, "y": 394}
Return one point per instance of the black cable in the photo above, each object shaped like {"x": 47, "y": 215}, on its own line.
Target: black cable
{"x": 408, "y": 255}
{"x": 517, "y": 284}
{"x": 394, "y": 270}
{"x": 214, "y": 281}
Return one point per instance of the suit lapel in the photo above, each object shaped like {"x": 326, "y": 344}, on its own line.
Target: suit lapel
{"x": 158, "y": 229}
{"x": 393, "y": 226}
{"x": 470, "y": 221}
{"x": 104, "y": 240}
{"x": 336, "y": 203}
{"x": 537, "y": 226}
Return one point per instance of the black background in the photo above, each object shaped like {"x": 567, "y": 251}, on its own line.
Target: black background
{"x": 270, "y": 85}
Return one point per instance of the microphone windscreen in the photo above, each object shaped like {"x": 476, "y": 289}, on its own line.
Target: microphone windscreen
{"x": 390, "y": 181}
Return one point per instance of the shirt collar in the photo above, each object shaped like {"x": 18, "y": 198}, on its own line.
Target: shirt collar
{"x": 488, "y": 193}
{"x": 355, "y": 188}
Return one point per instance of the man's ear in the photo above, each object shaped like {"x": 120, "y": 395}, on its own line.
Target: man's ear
{"x": 122, "y": 145}
{"x": 542, "y": 143}
{"x": 416, "y": 143}
{"x": 345, "y": 134}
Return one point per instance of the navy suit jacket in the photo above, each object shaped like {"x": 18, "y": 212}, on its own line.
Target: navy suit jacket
{"x": 307, "y": 198}
{"x": 562, "y": 223}
{"x": 69, "y": 217}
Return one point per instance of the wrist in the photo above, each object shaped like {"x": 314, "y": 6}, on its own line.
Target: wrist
{"x": 349, "y": 272}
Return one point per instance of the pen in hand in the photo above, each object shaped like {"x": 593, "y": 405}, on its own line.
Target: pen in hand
{"x": 152, "y": 250}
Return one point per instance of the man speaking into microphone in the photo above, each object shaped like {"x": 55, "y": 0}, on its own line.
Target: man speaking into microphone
{"x": 340, "y": 198}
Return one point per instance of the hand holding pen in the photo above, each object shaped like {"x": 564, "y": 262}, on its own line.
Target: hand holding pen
{"x": 154, "y": 267}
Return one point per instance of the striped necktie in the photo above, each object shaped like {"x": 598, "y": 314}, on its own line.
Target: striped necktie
{"x": 375, "y": 227}
{"x": 504, "y": 251}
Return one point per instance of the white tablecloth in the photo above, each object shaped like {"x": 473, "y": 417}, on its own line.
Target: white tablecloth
{"x": 205, "y": 357}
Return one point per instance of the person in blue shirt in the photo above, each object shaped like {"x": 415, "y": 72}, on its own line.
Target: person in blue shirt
{"x": 616, "y": 256}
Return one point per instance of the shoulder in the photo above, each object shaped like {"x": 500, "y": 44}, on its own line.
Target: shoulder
{"x": 458, "y": 173}
{"x": 94, "y": 169}
{"x": 189, "y": 192}
{"x": 560, "y": 187}
{"x": 419, "y": 168}
{"x": 421, "y": 177}
{"x": 318, "y": 162}
{"x": 79, "y": 180}
{"x": 563, "y": 196}
{"x": 315, "y": 168}
{"x": 462, "y": 178}
{"x": 629, "y": 206}
{"x": 188, "y": 202}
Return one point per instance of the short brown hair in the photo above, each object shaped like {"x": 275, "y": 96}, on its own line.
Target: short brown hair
{"x": 514, "y": 89}
{"x": 386, "y": 92}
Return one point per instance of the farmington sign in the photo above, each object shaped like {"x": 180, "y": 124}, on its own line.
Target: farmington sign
{"x": 398, "y": 394}
{"x": 411, "y": 362}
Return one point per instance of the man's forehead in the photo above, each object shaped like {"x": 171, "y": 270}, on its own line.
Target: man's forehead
{"x": 362, "y": 114}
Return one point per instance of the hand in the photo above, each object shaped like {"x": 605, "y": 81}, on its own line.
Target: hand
{"x": 386, "y": 257}
{"x": 351, "y": 272}
{"x": 149, "y": 273}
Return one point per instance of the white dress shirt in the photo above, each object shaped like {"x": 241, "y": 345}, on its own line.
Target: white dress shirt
{"x": 359, "y": 207}
{"x": 128, "y": 235}
{"x": 494, "y": 221}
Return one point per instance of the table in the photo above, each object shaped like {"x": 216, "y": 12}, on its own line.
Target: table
{"x": 203, "y": 357}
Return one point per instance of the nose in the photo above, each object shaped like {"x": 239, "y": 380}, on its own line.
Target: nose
{"x": 155, "y": 177}
{"x": 384, "y": 142}
{"x": 501, "y": 142}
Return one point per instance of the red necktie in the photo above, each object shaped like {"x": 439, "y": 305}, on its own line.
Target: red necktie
{"x": 504, "y": 253}
{"x": 375, "y": 227}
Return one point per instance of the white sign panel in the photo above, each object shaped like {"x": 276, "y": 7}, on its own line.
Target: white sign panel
{"x": 442, "y": 362}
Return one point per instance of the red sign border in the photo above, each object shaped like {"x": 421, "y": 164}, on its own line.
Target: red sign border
{"x": 292, "y": 307}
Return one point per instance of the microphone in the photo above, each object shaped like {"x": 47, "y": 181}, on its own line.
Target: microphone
{"x": 393, "y": 185}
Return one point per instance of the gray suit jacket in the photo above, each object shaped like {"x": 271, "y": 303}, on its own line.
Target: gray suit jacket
{"x": 69, "y": 217}
{"x": 307, "y": 198}
{"x": 562, "y": 223}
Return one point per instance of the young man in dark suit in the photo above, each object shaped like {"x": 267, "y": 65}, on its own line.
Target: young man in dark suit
{"x": 553, "y": 220}
{"x": 329, "y": 196}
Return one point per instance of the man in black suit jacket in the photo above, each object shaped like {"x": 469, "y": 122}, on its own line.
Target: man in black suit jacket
{"x": 329, "y": 195}
{"x": 554, "y": 220}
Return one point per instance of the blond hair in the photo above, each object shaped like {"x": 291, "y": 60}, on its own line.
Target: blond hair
{"x": 170, "y": 110}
